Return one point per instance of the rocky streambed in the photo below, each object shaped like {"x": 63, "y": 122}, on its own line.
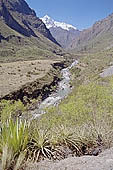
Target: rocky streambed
{"x": 63, "y": 89}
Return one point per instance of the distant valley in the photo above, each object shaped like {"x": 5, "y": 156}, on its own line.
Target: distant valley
{"x": 26, "y": 36}
{"x": 97, "y": 37}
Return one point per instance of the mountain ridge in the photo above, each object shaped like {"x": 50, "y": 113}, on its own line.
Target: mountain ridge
{"x": 19, "y": 11}
{"x": 21, "y": 29}
{"x": 98, "y": 37}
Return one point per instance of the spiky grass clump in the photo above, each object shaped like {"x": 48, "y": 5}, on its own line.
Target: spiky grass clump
{"x": 39, "y": 145}
{"x": 13, "y": 143}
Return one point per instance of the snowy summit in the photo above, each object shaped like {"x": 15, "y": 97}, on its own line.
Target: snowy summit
{"x": 49, "y": 22}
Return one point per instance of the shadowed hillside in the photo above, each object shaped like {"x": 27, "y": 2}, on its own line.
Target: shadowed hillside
{"x": 23, "y": 33}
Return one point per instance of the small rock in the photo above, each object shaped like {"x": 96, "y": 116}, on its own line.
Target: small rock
{"x": 96, "y": 151}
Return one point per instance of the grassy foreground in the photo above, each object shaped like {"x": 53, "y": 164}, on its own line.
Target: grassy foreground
{"x": 79, "y": 125}
{"x": 82, "y": 122}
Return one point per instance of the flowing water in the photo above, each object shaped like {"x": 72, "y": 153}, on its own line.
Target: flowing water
{"x": 62, "y": 91}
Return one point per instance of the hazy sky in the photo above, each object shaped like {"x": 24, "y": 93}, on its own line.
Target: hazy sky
{"x": 80, "y": 13}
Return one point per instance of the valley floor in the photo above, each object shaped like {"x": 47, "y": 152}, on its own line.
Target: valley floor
{"x": 16, "y": 74}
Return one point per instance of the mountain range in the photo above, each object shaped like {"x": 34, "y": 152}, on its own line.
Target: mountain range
{"x": 97, "y": 37}
{"x": 62, "y": 32}
{"x": 23, "y": 35}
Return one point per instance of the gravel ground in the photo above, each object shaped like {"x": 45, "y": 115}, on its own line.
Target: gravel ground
{"x": 102, "y": 162}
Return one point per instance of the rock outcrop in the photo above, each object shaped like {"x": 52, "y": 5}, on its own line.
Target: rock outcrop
{"x": 102, "y": 162}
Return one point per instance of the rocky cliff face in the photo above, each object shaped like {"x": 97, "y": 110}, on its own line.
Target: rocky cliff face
{"x": 20, "y": 17}
{"x": 64, "y": 37}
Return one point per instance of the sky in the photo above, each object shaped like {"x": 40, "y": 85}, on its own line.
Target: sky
{"x": 79, "y": 13}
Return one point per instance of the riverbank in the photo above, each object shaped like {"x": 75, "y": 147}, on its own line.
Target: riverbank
{"x": 29, "y": 79}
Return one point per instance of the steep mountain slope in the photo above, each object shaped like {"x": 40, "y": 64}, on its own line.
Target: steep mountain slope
{"x": 98, "y": 37}
{"x": 21, "y": 29}
{"x": 63, "y": 33}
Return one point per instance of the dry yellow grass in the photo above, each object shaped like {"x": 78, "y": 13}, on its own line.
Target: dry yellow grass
{"x": 14, "y": 75}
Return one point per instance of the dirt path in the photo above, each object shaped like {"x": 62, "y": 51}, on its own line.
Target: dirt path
{"x": 102, "y": 162}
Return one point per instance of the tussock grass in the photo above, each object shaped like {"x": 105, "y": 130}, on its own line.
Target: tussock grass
{"x": 13, "y": 143}
{"x": 39, "y": 145}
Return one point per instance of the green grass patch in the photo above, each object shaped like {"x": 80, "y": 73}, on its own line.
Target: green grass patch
{"x": 10, "y": 109}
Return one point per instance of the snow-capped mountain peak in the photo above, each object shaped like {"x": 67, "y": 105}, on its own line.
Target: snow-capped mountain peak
{"x": 49, "y": 22}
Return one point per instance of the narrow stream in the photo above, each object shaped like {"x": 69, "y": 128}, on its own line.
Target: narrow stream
{"x": 62, "y": 91}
